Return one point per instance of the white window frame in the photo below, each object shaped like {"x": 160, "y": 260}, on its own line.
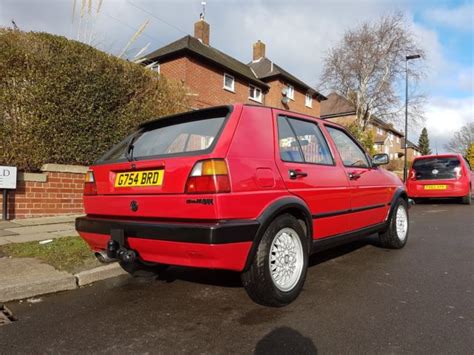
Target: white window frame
{"x": 398, "y": 139}
{"x": 379, "y": 131}
{"x": 155, "y": 66}
{"x": 290, "y": 92}
{"x": 308, "y": 100}
{"x": 229, "y": 88}
{"x": 256, "y": 89}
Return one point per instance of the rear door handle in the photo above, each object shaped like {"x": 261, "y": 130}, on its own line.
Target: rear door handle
{"x": 294, "y": 174}
{"x": 353, "y": 176}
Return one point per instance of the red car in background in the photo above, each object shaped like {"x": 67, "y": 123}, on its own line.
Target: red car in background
{"x": 250, "y": 189}
{"x": 440, "y": 176}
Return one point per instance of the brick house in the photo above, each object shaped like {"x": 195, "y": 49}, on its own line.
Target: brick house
{"x": 215, "y": 78}
{"x": 386, "y": 138}
{"x": 413, "y": 150}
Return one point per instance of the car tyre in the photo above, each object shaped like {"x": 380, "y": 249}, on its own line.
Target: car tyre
{"x": 277, "y": 273}
{"x": 467, "y": 200}
{"x": 396, "y": 234}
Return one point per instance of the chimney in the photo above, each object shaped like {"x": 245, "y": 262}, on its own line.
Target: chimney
{"x": 258, "y": 50}
{"x": 201, "y": 31}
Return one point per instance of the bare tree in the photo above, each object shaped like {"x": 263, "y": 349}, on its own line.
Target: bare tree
{"x": 368, "y": 67}
{"x": 462, "y": 140}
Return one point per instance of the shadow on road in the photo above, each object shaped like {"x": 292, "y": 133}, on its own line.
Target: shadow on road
{"x": 284, "y": 340}
{"x": 438, "y": 201}
{"x": 231, "y": 279}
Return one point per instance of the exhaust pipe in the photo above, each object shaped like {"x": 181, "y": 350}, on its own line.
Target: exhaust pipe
{"x": 103, "y": 257}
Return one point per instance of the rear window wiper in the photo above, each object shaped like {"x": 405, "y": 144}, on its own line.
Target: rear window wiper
{"x": 130, "y": 147}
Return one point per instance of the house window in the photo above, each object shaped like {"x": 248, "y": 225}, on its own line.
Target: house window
{"x": 290, "y": 92}
{"x": 155, "y": 66}
{"x": 379, "y": 131}
{"x": 308, "y": 100}
{"x": 255, "y": 93}
{"x": 398, "y": 139}
{"x": 229, "y": 82}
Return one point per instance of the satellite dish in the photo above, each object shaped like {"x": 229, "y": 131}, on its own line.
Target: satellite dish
{"x": 285, "y": 100}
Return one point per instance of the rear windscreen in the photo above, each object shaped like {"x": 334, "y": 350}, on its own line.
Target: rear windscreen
{"x": 436, "y": 168}
{"x": 174, "y": 136}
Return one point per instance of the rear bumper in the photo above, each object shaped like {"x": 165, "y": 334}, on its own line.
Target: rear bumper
{"x": 219, "y": 245}
{"x": 454, "y": 189}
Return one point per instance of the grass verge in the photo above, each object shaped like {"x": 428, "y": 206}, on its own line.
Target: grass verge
{"x": 69, "y": 254}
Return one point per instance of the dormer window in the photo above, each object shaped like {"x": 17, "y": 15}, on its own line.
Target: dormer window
{"x": 229, "y": 82}
{"x": 308, "y": 101}
{"x": 255, "y": 93}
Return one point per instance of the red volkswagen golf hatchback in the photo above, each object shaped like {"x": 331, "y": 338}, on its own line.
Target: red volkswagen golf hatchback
{"x": 440, "y": 176}
{"x": 246, "y": 188}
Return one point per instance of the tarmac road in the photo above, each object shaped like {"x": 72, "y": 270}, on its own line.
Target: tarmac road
{"x": 357, "y": 299}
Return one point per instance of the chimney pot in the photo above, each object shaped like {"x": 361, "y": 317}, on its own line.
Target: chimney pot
{"x": 201, "y": 31}
{"x": 258, "y": 50}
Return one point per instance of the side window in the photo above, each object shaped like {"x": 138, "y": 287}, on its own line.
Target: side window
{"x": 350, "y": 152}
{"x": 312, "y": 142}
{"x": 301, "y": 141}
{"x": 289, "y": 147}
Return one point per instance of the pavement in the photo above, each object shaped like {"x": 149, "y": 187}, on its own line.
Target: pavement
{"x": 36, "y": 229}
{"x": 357, "y": 298}
{"x": 29, "y": 277}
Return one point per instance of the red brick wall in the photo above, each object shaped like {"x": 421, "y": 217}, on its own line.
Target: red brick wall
{"x": 206, "y": 83}
{"x": 273, "y": 98}
{"x": 60, "y": 194}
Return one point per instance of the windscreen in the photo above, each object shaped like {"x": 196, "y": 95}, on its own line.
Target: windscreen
{"x": 436, "y": 168}
{"x": 176, "y": 136}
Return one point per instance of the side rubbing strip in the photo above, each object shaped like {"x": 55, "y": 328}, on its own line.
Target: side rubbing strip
{"x": 352, "y": 210}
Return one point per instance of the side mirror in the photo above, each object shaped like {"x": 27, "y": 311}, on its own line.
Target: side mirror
{"x": 380, "y": 159}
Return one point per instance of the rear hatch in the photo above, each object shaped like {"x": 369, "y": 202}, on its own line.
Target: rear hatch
{"x": 150, "y": 168}
{"x": 436, "y": 173}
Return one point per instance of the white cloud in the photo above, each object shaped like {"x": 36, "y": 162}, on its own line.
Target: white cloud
{"x": 461, "y": 17}
{"x": 446, "y": 116}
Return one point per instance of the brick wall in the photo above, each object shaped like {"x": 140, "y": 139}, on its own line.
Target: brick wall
{"x": 50, "y": 193}
{"x": 205, "y": 83}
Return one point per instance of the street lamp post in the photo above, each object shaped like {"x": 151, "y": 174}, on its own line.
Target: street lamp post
{"x": 407, "y": 58}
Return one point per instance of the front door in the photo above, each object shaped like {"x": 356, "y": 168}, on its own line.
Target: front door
{"x": 310, "y": 172}
{"x": 369, "y": 191}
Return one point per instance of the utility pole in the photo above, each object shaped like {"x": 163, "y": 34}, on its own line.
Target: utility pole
{"x": 407, "y": 58}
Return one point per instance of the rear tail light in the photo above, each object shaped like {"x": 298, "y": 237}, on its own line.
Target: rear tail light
{"x": 457, "y": 172}
{"x": 412, "y": 175}
{"x": 208, "y": 176}
{"x": 90, "y": 187}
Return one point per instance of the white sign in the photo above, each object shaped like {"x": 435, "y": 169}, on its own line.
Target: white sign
{"x": 7, "y": 177}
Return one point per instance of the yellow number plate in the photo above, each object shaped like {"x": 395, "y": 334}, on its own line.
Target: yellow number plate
{"x": 435, "y": 187}
{"x": 139, "y": 178}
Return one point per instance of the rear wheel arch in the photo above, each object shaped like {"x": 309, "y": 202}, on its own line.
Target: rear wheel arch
{"x": 287, "y": 205}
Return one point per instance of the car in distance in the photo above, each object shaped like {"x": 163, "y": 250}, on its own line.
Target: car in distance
{"x": 440, "y": 176}
{"x": 246, "y": 188}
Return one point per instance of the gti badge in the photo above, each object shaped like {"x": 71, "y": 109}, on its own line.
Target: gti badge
{"x": 134, "y": 206}
{"x": 435, "y": 172}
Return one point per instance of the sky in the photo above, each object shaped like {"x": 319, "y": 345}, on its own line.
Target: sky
{"x": 297, "y": 34}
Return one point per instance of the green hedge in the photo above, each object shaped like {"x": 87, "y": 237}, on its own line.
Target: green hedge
{"x": 65, "y": 102}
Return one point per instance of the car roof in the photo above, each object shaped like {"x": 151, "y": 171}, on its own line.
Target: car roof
{"x": 299, "y": 114}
